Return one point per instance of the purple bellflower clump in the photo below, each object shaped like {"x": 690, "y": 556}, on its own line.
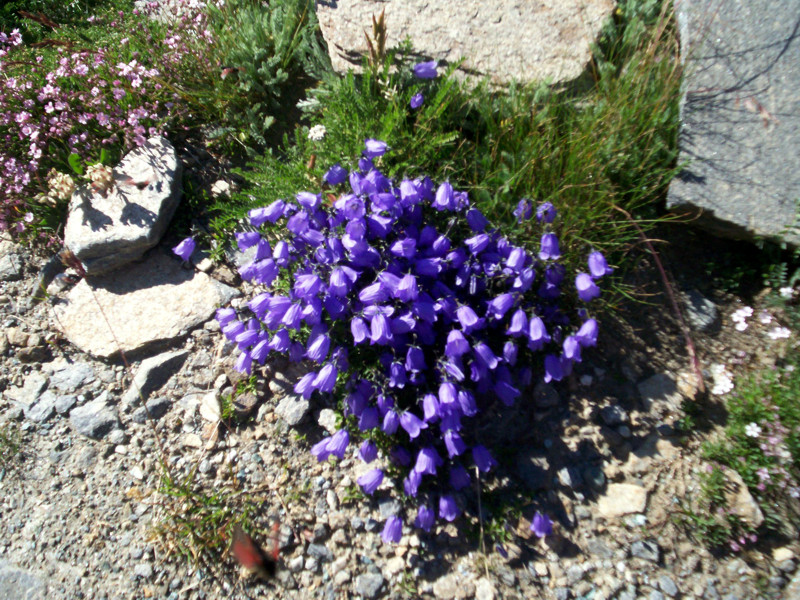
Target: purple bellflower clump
{"x": 417, "y": 314}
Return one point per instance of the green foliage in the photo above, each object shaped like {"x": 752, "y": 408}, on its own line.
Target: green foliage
{"x": 196, "y": 524}
{"x": 60, "y": 12}
{"x": 263, "y": 57}
{"x": 10, "y": 443}
{"x": 614, "y": 144}
{"x": 710, "y": 520}
{"x": 762, "y": 441}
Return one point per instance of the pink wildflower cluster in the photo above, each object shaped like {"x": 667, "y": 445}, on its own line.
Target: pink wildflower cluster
{"x": 80, "y": 103}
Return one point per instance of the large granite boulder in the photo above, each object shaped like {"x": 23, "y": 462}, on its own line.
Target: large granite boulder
{"x": 502, "y": 39}
{"x": 740, "y": 130}
{"x": 144, "y": 309}
{"x": 107, "y": 230}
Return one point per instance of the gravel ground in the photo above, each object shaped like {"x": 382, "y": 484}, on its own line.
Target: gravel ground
{"x": 85, "y": 514}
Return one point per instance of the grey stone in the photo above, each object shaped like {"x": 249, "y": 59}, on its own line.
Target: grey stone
{"x": 10, "y": 261}
{"x": 574, "y": 574}
{"x": 740, "y": 127}
{"x": 16, "y": 583}
{"x": 569, "y": 477}
{"x": 156, "y": 407}
{"x": 152, "y": 374}
{"x": 668, "y": 586}
{"x": 561, "y": 593}
{"x": 550, "y": 40}
{"x": 369, "y": 585}
{"x": 107, "y": 231}
{"x": 244, "y": 404}
{"x": 655, "y": 595}
{"x": 613, "y": 415}
{"x": 117, "y": 437}
{"x": 35, "y": 383}
{"x": 533, "y": 469}
{"x": 143, "y": 570}
{"x": 701, "y": 313}
{"x": 64, "y": 404}
{"x": 389, "y": 507}
{"x": 598, "y": 548}
{"x": 320, "y": 552}
{"x": 156, "y": 292}
{"x": 68, "y": 377}
{"x": 293, "y": 409}
{"x": 787, "y": 566}
{"x": 741, "y": 501}
{"x": 44, "y": 409}
{"x": 545, "y": 395}
{"x": 646, "y": 550}
{"x": 94, "y": 419}
{"x": 659, "y": 393}
{"x": 328, "y": 420}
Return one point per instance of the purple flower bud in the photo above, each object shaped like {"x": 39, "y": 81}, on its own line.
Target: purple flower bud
{"x": 305, "y": 387}
{"x": 309, "y": 201}
{"x": 185, "y": 248}
{"x": 572, "y": 349}
{"x": 425, "y": 518}
{"x": 485, "y": 355}
{"x": 500, "y": 305}
{"x": 370, "y": 481}
{"x": 510, "y": 353}
{"x": 246, "y": 239}
{"x": 244, "y": 362}
{"x": 546, "y": 213}
{"x": 338, "y": 443}
{"x": 325, "y": 380}
{"x": 448, "y": 394}
{"x": 393, "y": 530}
{"x": 453, "y": 442}
{"x": 549, "y": 247}
{"x": 444, "y": 197}
{"x": 467, "y": 317}
{"x": 541, "y": 525}
{"x": 519, "y": 324}
{"x": 524, "y": 210}
{"x": 448, "y": 509}
{"x": 552, "y": 368}
{"x": 374, "y": 148}
{"x": 506, "y": 392}
{"x": 587, "y": 289}
{"x": 516, "y": 259}
{"x": 336, "y": 174}
{"x": 476, "y": 221}
{"x": 412, "y": 424}
{"x": 537, "y": 333}
{"x": 411, "y": 483}
{"x": 318, "y": 347}
{"x": 478, "y": 243}
{"x": 416, "y": 100}
{"x": 598, "y": 265}
{"x": 483, "y": 459}
{"x": 359, "y": 330}
{"x": 466, "y": 402}
{"x": 459, "y": 478}
{"x": 374, "y": 293}
{"x": 380, "y": 332}
{"x": 426, "y": 70}
{"x": 260, "y": 351}
{"x": 427, "y": 461}
{"x": 280, "y": 341}
{"x": 368, "y": 451}
{"x": 271, "y": 213}
{"x": 430, "y": 407}
{"x": 225, "y": 316}
{"x": 320, "y": 449}
{"x": 368, "y": 419}
{"x": 587, "y": 334}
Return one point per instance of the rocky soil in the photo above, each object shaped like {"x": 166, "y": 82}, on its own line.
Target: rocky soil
{"x": 85, "y": 513}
